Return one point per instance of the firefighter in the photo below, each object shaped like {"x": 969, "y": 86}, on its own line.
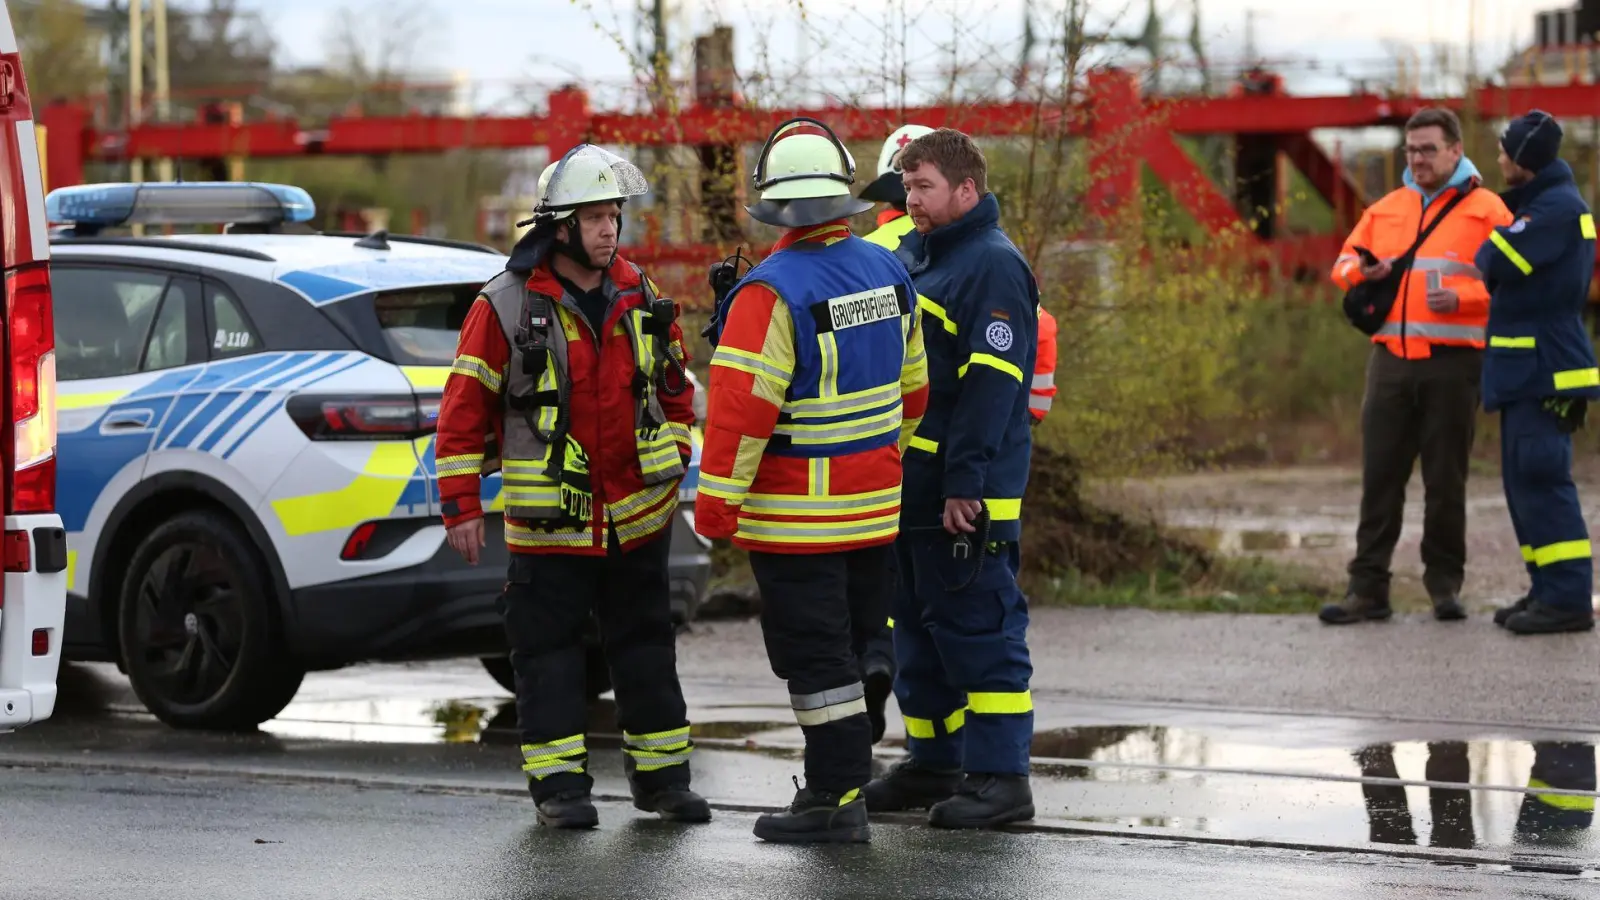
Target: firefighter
{"x": 878, "y": 665}
{"x": 1540, "y": 372}
{"x": 569, "y": 380}
{"x": 960, "y": 621}
{"x": 817, "y": 380}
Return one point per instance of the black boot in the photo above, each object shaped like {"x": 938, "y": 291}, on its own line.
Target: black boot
{"x": 985, "y": 801}
{"x": 879, "y": 683}
{"x": 1504, "y": 614}
{"x": 568, "y": 809}
{"x": 817, "y": 817}
{"x": 1541, "y": 619}
{"x": 1448, "y": 608}
{"x": 908, "y": 785}
{"x": 674, "y": 804}
{"x": 1355, "y": 608}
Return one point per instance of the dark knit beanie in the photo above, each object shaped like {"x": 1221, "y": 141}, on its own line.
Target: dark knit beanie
{"x": 1532, "y": 141}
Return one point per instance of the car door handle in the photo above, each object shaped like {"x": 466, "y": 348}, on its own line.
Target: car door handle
{"x": 127, "y": 420}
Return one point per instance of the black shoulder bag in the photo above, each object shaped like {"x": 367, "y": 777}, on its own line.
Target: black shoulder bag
{"x": 1367, "y": 304}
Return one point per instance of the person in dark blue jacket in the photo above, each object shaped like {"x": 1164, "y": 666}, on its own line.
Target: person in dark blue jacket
{"x": 1540, "y": 372}
{"x": 960, "y": 622}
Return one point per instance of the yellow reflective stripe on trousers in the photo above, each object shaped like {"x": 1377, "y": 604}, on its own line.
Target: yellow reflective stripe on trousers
{"x": 993, "y": 362}
{"x": 927, "y": 729}
{"x": 465, "y": 464}
{"x": 372, "y": 494}
{"x": 1512, "y": 343}
{"x": 997, "y": 704}
{"x": 831, "y": 705}
{"x": 1568, "y": 802}
{"x": 1577, "y": 378}
{"x": 1566, "y": 551}
{"x": 818, "y": 532}
{"x": 658, "y": 750}
{"x": 1586, "y": 226}
{"x": 922, "y": 443}
{"x": 1527, "y": 553}
{"x": 937, "y": 311}
{"x": 552, "y": 758}
{"x": 1499, "y": 240}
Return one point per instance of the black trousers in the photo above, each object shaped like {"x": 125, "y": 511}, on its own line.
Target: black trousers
{"x": 547, "y": 603}
{"x": 818, "y": 611}
{"x": 879, "y": 653}
{"x": 1416, "y": 407}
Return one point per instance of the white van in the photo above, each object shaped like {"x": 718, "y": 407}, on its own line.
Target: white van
{"x": 33, "y": 592}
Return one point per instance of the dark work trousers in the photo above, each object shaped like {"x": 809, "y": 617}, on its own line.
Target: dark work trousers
{"x": 1536, "y": 467}
{"x": 1412, "y": 407}
{"x": 818, "y": 611}
{"x": 547, "y": 604}
{"x": 879, "y": 654}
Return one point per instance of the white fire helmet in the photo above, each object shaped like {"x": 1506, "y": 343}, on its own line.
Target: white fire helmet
{"x": 889, "y": 157}
{"x": 586, "y": 174}
{"x": 887, "y": 187}
{"x": 804, "y": 174}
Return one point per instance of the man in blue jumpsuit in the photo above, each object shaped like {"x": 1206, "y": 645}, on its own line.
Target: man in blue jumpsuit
{"x": 1540, "y": 371}
{"x": 960, "y": 631}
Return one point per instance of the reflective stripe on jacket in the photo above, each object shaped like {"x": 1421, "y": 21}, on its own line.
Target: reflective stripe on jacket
{"x": 1388, "y": 229}
{"x": 980, "y": 301}
{"x": 817, "y": 379}
{"x": 1539, "y": 269}
{"x": 630, "y": 474}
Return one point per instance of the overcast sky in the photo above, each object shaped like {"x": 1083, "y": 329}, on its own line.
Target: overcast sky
{"x": 496, "y": 42}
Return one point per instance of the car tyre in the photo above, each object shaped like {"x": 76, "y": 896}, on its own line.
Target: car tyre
{"x": 598, "y": 675}
{"x": 198, "y": 628}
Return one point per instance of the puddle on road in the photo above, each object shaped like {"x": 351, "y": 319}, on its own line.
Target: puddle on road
{"x": 1218, "y": 780}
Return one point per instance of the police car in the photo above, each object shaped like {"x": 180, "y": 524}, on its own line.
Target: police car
{"x": 246, "y": 459}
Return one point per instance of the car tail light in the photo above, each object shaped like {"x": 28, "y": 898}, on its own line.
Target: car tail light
{"x": 356, "y": 544}
{"x": 325, "y": 418}
{"x": 31, "y": 336}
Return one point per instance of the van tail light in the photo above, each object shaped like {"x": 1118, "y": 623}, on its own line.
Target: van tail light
{"x": 328, "y": 418}
{"x": 31, "y": 338}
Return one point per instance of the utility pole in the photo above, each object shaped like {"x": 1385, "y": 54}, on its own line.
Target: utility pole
{"x": 137, "y": 39}
{"x": 1250, "y": 55}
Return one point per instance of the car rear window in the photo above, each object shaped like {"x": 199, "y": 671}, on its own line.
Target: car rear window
{"x": 421, "y": 325}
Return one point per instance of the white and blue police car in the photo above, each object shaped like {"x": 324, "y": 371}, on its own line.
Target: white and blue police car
{"x": 245, "y": 463}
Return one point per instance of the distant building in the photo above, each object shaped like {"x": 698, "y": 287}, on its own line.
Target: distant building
{"x": 1565, "y": 50}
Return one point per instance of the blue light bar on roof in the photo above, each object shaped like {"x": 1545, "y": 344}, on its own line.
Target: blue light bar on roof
{"x": 179, "y": 203}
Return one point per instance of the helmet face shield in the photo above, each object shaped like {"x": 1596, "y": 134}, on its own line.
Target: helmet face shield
{"x": 587, "y": 174}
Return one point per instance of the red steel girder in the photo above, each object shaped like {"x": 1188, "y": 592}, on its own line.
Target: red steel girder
{"x": 698, "y": 125}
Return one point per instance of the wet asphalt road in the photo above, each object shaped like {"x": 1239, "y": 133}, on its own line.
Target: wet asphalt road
{"x": 131, "y": 837}
{"x": 1167, "y": 763}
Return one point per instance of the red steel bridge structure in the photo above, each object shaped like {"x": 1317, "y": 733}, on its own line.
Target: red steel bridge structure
{"x": 1123, "y": 130}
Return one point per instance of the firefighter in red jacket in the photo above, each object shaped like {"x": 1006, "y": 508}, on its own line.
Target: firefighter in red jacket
{"x": 817, "y": 381}
{"x": 572, "y": 366}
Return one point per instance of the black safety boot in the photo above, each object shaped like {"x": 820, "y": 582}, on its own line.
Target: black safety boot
{"x": 985, "y": 801}
{"x": 568, "y": 809}
{"x": 1355, "y": 608}
{"x": 908, "y": 785}
{"x": 1504, "y": 613}
{"x": 674, "y": 804}
{"x": 817, "y": 817}
{"x": 879, "y": 683}
{"x": 1541, "y": 619}
{"x": 1448, "y": 608}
